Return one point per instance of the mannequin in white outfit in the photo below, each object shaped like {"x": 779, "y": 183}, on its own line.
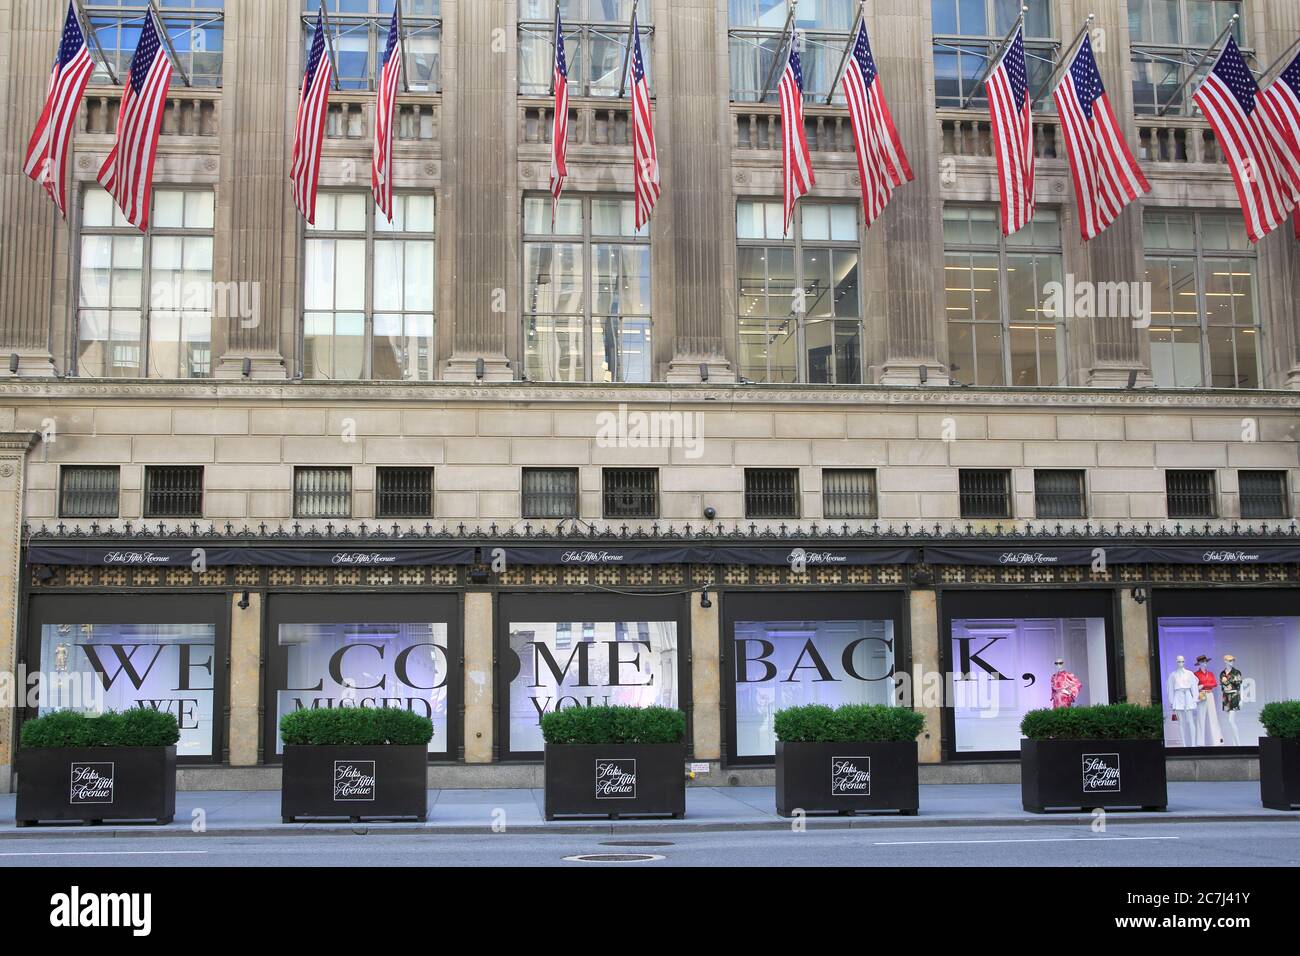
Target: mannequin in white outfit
{"x": 1183, "y": 689}
{"x": 1207, "y": 718}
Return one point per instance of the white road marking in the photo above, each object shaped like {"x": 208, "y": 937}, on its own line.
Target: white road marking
{"x": 1036, "y": 840}
{"x": 110, "y": 853}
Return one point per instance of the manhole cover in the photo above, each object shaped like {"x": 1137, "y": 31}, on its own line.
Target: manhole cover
{"x": 638, "y": 843}
{"x": 613, "y": 858}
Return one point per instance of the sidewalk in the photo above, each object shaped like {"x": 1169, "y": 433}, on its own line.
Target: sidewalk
{"x": 707, "y": 808}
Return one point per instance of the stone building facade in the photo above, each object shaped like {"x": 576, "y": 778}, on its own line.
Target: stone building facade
{"x": 906, "y": 426}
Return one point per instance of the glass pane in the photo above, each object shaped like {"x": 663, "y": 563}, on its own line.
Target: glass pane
{"x": 844, "y": 273}
{"x": 420, "y": 273}
{"x": 621, "y": 279}
{"x": 96, "y": 271}
{"x": 419, "y": 213}
{"x": 625, "y": 350}
{"x": 749, "y": 220}
{"x": 816, "y": 222}
{"x": 168, "y": 209}
{"x": 349, "y": 345}
{"x": 844, "y": 223}
{"x": 97, "y": 208}
{"x": 537, "y": 217}
{"x": 388, "y": 276}
{"x": 988, "y": 354}
{"x": 349, "y": 278}
{"x": 553, "y": 278}
{"x": 318, "y": 271}
{"x": 817, "y": 293}
{"x": 554, "y": 348}
{"x": 352, "y": 212}
{"x": 318, "y": 345}
{"x": 199, "y": 208}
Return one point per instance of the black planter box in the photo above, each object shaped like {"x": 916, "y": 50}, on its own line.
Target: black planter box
{"x": 616, "y": 780}
{"x": 377, "y": 782}
{"x": 94, "y": 784}
{"x": 847, "y": 777}
{"x": 1092, "y": 774}
{"x": 1279, "y": 772}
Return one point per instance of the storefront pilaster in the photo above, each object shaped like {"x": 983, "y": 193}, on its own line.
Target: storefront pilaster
{"x": 706, "y": 680}
{"x": 924, "y": 630}
{"x": 13, "y": 459}
{"x": 478, "y": 677}
{"x": 245, "y": 677}
{"x": 1135, "y": 631}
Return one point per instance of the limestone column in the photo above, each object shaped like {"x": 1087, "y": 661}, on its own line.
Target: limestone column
{"x": 256, "y": 243}
{"x": 29, "y": 36}
{"x": 706, "y": 680}
{"x": 924, "y": 632}
{"x": 1117, "y": 254}
{"x": 478, "y": 627}
{"x": 911, "y": 228}
{"x": 245, "y": 679}
{"x": 1135, "y": 633}
{"x": 13, "y": 460}
{"x": 694, "y": 224}
{"x": 480, "y": 208}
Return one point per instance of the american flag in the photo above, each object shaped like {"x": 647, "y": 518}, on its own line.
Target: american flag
{"x": 381, "y": 169}
{"x": 47, "y": 151}
{"x": 1106, "y": 176}
{"x": 309, "y": 130}
{"x": 882, "y": 164}
{"x": 645, "y": 155}
{"x": 1280, "y": 101}
{"x": 560, "y": 129}
{"x": 1013, "y": 134}
{"x": 127, "y": 174}
{"x": 1229, "y": 99}
{"x": 797, "y": 163}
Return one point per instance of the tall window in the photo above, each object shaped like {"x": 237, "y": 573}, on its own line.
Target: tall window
{"x": 966, "y": 36}
{"x": 798, "y": 305}
{"x": 1167, "y": 37}
{"x": 369, "y": 292}
{"x": 1000, "y": 331}
{"x": 145, "y": 302}
{"x": 756, "y": 32}
{"x": 1204, "y": 323}
{"x": 586, "y": 302}
{"x": 196, "y": 29}
{"x": 595, "y": 40}
{"x": 360, "y": 33}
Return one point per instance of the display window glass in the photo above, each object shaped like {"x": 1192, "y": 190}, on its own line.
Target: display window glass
{"x": 97, "y": 653}
{"x": 583, "y": 652}
{"x": 400, "y": 651}
{"x": 1219, "y": 664}
{"x": 1001, "y": 667}
{"x": 785, "y": 650}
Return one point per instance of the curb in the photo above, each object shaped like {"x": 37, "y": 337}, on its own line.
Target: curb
{"x": 644, "y": 827}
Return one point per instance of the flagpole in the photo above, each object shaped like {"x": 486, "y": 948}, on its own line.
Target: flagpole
{"x": 1204, "y": 56}
{"x": 853, "y": 36}
{"x": 627, "y": 50}
{"x": 1002, "y": 48}
{"x": 401, "y": 40}
{"x": 1069, "y": 52}
{"x": 329, "y": 42}
{"x": 89, "y": 31}
{"x": 771, "y": 74}
{"x": 167, "y": 42}
{"x": 555, "y": 47}
{"x": 1285, "y": 53}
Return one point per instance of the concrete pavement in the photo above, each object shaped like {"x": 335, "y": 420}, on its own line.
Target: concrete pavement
{"x": 708, "y": 809}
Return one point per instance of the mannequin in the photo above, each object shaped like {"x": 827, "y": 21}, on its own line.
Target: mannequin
{"x": 1207, "y": 718}
{"x": 1183, "y": 688}
{"x": 1065, "y": 686}
{"x": 1231, "y": 680}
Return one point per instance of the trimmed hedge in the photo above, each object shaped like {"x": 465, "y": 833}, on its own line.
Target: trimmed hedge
{"x": 355, "y": 727}
{"x": 1281, "y": 718}
{"x": 1099, "y": 722}
{"x": 817, "y": 723}
{"x": 136, "y": 727}
{"x": 614, "y": 725}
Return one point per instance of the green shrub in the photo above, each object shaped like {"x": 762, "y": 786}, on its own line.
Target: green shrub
{"x": 1099, "y": 722}
{"x": 136, "y": 727}
{"x": 817, "y": 723}
{"x": 614, "y": 725}
{"x": 1281, "y": 718}
{"x": 355, "y": 727}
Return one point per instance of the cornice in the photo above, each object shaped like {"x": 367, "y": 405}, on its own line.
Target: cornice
{"x": 37, "y": 390}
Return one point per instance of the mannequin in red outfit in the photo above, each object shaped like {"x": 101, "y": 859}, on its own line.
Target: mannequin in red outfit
{"x": 1207, "y": 715}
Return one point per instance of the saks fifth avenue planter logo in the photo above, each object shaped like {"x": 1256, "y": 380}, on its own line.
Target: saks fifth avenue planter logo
{"x": 1101, "y": 773}
{"x": 592, "y": 557}
{"x": 615, "y": 779}
{"x": 354, "y": 780}
{"x": 1026, "y": 557}
{"x": 1230, "y": 557}
{"x": 363, "y": 558}
{"x": 135, "y": 557}
{"x": 91, "y": 783}
{"x": 850, "y": 776}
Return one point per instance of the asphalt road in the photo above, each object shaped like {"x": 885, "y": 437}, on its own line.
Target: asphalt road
{"x": 1174, "y": 845}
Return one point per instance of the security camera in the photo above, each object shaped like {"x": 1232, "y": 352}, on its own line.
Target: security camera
{"x": 710, "y": 513}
